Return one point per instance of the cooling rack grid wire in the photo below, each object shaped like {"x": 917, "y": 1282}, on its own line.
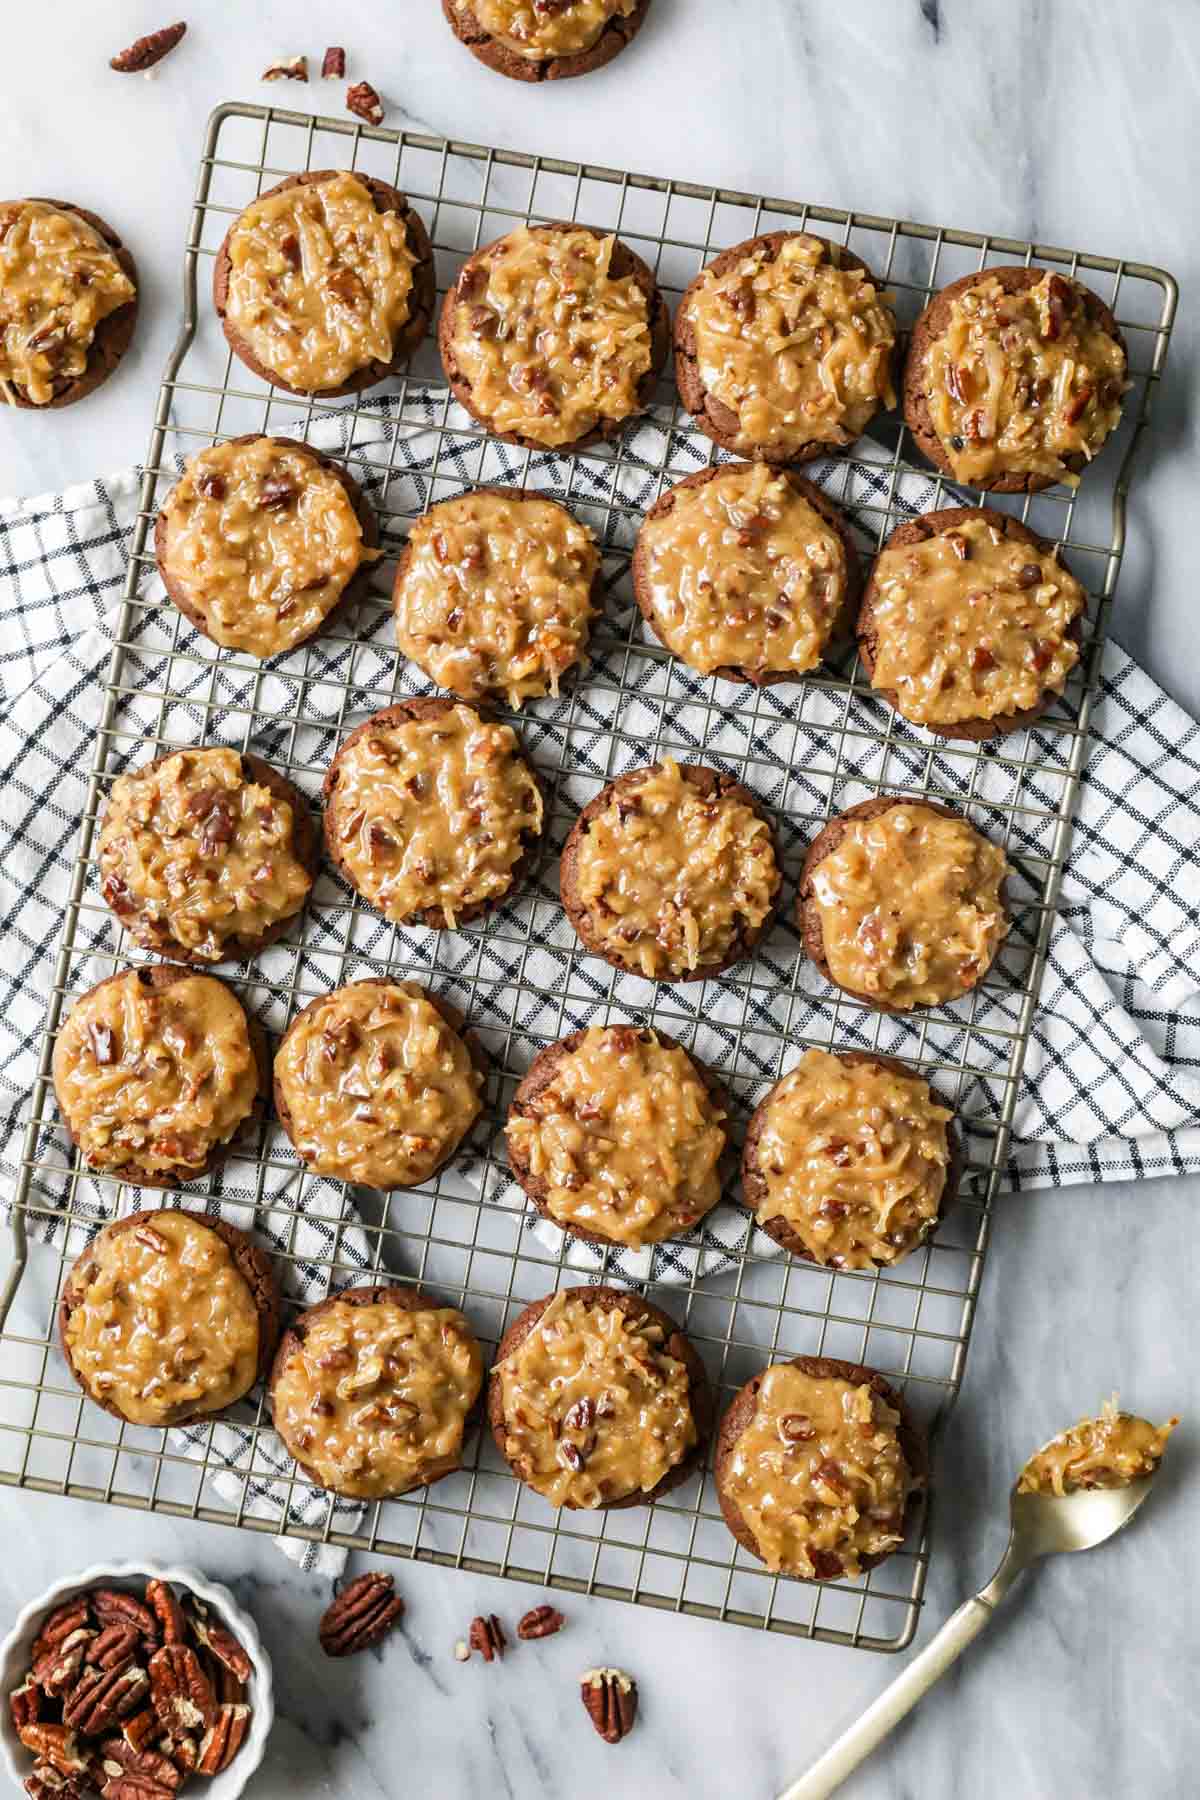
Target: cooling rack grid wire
{"x": 807, "y": 749}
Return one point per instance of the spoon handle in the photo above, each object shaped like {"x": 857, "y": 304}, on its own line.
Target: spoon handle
{"x": 867, "y": 1732}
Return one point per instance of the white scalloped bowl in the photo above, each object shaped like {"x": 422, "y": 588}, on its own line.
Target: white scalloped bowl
{"x": 15, "y": 1657}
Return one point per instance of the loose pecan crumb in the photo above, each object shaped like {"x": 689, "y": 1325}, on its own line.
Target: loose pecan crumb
{"x": 487, "y": 1636}
{"x": 540, "y": 1622}
{"x": 610, "y": 1698}
{"x": 362, "y": 1614}
{"x": 362, "y": 100}
{"x": 144, "y": 52}
{"x": 295, "y": 69}
{"x": 333, "y": 63}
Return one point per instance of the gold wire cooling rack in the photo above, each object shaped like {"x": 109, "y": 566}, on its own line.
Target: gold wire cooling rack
{"x": 806, "y": 749}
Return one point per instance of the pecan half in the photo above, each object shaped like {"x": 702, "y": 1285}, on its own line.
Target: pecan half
{"x": 362, "y": 1614}
{"x": 140, "y": 1728}
{"x": 333, "y": 63}
{"x": 487, "y": 1636}
{"x": 179, "y": 1689}
{"x": 56, "y": 1745}
{"x": 114, "y": 1607}
{"x": 135, "y": 1787}
{"x": 223, "y": 1645}
{"x": 183, "y": 1748}
{"x": 610, "y": 1699}
{"x": 295, "y": 69}
{"x": 144, "y": 52}
{"x": 46, "y": 1783}
{"x": 162, "y": 1601}
{"x": 362, "y": 100}
{"x": 114, "y": 1646}
{"x": 56, "y": 1670}
{"x": 223, "y": 1739}
{"x": 25, "y": 1703}
{"x": 119, "y": 1758}
{"x": 59, "y": 1625}
{"x": 540, "y": 1622}
{"x": 102, "y": 1696}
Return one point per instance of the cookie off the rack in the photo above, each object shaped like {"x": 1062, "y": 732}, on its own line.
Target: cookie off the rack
{"x": 68, "y": 302}
{"x": 545, "y": 40}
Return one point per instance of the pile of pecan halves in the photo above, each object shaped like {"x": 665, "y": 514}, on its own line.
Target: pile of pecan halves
{"x": 127, "y": 1699}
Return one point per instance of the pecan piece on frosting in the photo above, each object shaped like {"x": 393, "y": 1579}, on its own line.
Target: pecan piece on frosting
{"x": 223, "y": 1739}
{"x": 362, "y": 1614}
{"x": 180, "y": 1691}
{"x": 610, "y": 1698}
{"x": 487, "y": 1636}
{"x": 362, "y": 100}
{"x": 144, "y": 52}
{"x": 540, "y": 1622}
{"x": 333, "y": 63}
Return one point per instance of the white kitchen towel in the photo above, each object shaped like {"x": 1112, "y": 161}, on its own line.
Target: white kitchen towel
{"x": 1111, "y": 1087}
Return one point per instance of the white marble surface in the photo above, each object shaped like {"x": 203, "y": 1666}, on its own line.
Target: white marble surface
{"x": 1072, "y": 121}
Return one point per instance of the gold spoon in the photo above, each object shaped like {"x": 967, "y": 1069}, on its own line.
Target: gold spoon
{"x": 1042, "y": 1524}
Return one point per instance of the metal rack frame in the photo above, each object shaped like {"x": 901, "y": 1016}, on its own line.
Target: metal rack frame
{"x": 808, "y": 749}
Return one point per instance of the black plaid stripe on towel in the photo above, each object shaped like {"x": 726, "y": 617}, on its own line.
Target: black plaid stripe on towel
{"x": 1112, "y": 1079}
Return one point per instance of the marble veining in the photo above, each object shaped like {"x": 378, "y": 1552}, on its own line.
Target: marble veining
{"x": 1073, "y": 122}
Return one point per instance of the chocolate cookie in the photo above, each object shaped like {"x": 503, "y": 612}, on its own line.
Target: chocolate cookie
{"x": 902, "y": 927}
{"x": 1023, "y": 343}
{"x": 992, "y": 611}
{"x": 221, "y": 811}
{"x": 851, "y": 1180}
{"x": 34, "y": 331}
{"x": 617, "y": 23}
{"x": 793, "y": 291}
{"x": 493, "y": 343}
{"x": 377, "y": 1083}
{"x": 495, "y": 592}
{"x": 819, "y": 1501}
{"x": 472, "y": 856}
{"x": 153, "y": 1286}
{"x": 596, "y": 1449}
{"x": 646, "y": 838}
{"x": 263, "y": 542}
{"x": 145, "y": 1122}
{"x": 374, "y": 1389}
{"x": 734, "y": 573}
{"x": 279, "y": 258}
{"x": 616, "y": 1134}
